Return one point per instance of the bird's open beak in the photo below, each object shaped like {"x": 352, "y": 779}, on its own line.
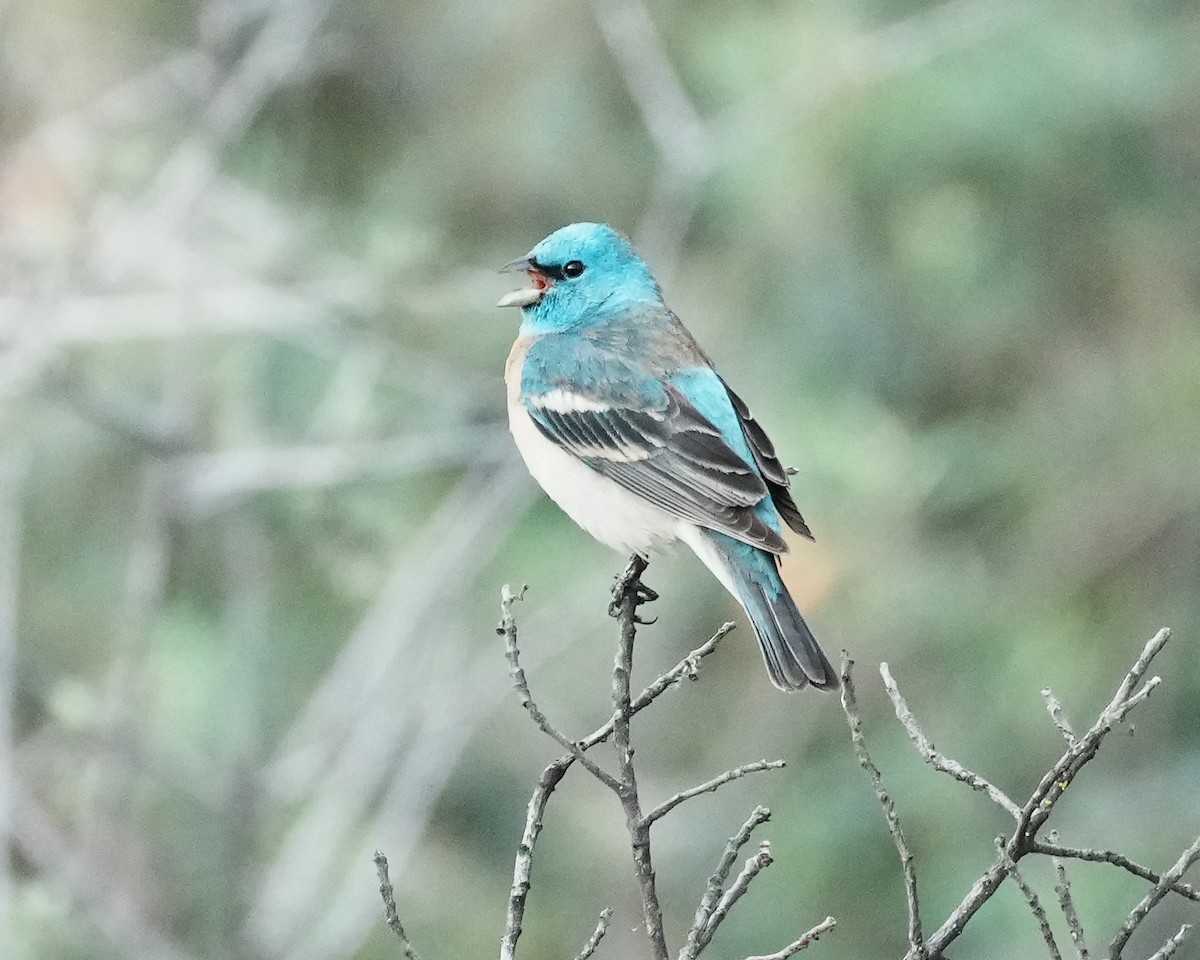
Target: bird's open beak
{"x": 530, "y": 295}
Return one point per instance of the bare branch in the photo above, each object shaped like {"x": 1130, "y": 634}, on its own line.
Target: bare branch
{"x": 389, "y": 906}
{"x": 1148, "y": 902}
{"x": 688, "y": 667}
{"x": 708, "y": 787}
{"x": 523, "y": 867}
{"x": 716, "y": 883}
{"x": 1031, "y": 898}
{"x": 850, "y": 707}
{"x": 556, "y": 770}
{"x": 508, "y": 629}
{"x": 752, "y": 868}
{"x": 628, "y": 594}
{"x": 1038, "y": 808}
{"x": 937, "y": 760}
{"x": 809, "y": 937}
{"x": 1052, "y": 786}
{"x": 597, "y": 935}
{"x": 1116, "y": 859}
{"x": 1067, "y": 904}
{"x": 1139, "y": 668}
{"x": 1167, "y": 950}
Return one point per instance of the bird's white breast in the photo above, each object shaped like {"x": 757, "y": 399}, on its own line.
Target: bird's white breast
{"x": 610, "y": 513}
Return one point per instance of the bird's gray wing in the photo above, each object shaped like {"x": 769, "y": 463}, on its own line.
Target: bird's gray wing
{"x": 658, "y": 446}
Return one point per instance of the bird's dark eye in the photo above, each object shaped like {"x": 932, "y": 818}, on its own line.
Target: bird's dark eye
{"x": 572, "y": 269}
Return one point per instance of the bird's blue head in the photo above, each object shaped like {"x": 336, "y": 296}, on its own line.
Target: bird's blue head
{"x": 581, "y": 275}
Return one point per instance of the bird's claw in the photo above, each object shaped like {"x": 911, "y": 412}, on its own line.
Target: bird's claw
{"x": 630, "y": 589}
{"x": 643, "y": 594}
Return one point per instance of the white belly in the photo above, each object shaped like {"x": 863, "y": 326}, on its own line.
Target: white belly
{"x": 610, "y": 513}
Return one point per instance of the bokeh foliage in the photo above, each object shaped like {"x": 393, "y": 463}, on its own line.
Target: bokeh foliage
{"x": 258, "y": 497}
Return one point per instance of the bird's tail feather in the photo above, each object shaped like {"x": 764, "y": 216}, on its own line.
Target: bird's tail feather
{"x": 792, "y": 655}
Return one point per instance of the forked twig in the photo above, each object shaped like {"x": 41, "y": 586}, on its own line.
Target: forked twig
{"x": 1054, "y": 849}
{"x": 1034, "y": 902}
{"x": 751, "y": 869}
{"x": 1143, "y": 907}
{"x": 1030, "y": 816}
{"x": 508, "y": 630}
{"x": 629, "y": 593}
{"x": 806, "y": 939}
{"x": 716, "y": 883}
{"x": 937, "y": 760}
{"x": 554, "y": 772}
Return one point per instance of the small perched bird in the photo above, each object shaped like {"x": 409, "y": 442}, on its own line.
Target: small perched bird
{"x": 622, "y": 419}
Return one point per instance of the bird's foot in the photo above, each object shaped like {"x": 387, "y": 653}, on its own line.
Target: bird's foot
{"x": 630, "y": 590}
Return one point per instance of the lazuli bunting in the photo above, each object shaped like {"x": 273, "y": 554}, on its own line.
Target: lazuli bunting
{"x": 622, "y": 419}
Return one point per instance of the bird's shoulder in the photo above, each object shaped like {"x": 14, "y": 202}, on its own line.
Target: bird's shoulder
{"x": 627, "y": 360}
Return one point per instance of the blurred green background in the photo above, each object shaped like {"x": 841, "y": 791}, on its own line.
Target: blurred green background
{"x": 257, "y": 496}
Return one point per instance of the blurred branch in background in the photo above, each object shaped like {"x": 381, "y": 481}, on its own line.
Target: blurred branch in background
{"x": 1030, "y": 818}
{"x": 720, "y": 896}
{"x": 14, "y": 470}
{"x": 692, "y": 148}
{"x": 209, "y": 481}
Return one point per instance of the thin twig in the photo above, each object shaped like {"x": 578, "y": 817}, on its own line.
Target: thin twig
{"x": 937, "y": 760}
{"x": 597, "y": 935}
{"x": 1031, "y": 898}
{"x": 688, "y": 667}
{"x": 807, "y": 938}
{"x": 916, "y": 940}
{"x": 1116, "y": 859}
{"x": 1052, "y": 786}
{"x": 508, "y": 629}
{"x": 1167, "y": 950}
{"x": 1058, "y": 715}
{"x": 1148, "y": 902}
{"x": 523, "y": 867}
{"x": 389, "y": 906}
{"x": 1067, "y": 904}
{"x": 716, "y": 883}
{"x": 751, "y": 869}
{"x": 708, "y": 787}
